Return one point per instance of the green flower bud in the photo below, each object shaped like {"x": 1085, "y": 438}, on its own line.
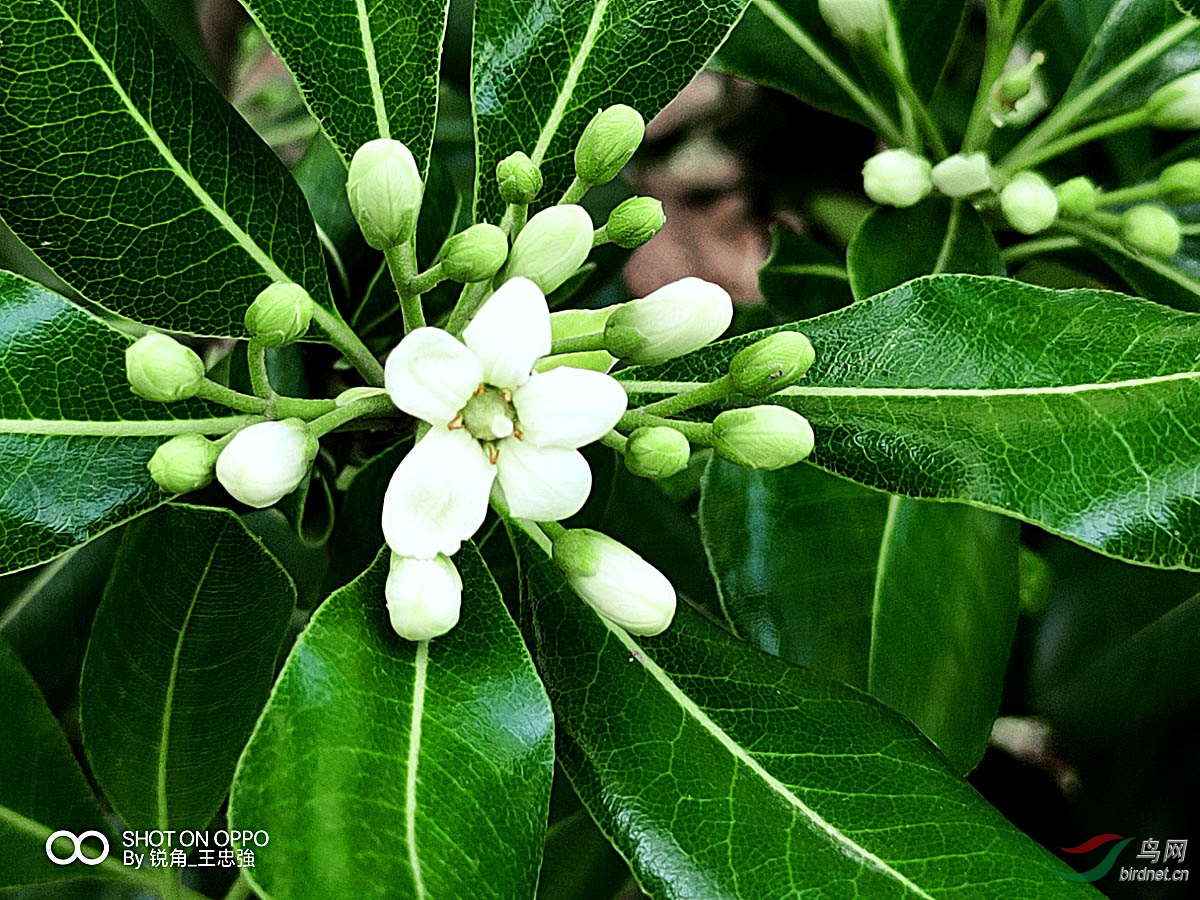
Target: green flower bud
{"x": 184, "y": 463}
{"x": 1176, "y": 105}
{"x": 608, "y": 142}
{"x": 635, "y": 221}
{"x": 1179, "y": 184}
{"x": 615, "y": 581}
{"x": 160, "y": 368}
{"x": 569, "y": 323}
{"x": 1076, "y": 197}
{"x": 963, "y": 174}
{"x": 762, "y": 437}
{"x": 384, "y": 188}
{"x": 520, "y": 180}
{"x": 1029, "y": 203}
{"x": 857, "y": 23}
{"x": 897, "y": 178}
{"x": 1014, "y": 86}
{"x": 656, "y": 451}
{"x": 280, "y": 315}
{"x": 475, "y": 254}
{"x": 771, "y": 364}
{"x": 1151, "y": 230}
{"x": 676, "y": 319}
{"x": 551, "y": 247}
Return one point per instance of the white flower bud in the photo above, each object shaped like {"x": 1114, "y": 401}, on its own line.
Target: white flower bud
{"x": 1077, "y": 197}
{"x": 1029, "y": 203}
{"x": 280, "y": 315}
{"x": 634, "y": 222}
{"x": 183, "y": 464}
{"x": 607, "y": 143}
{"x": 384, "y": 189}
{"x": 769, "y": 365}
{"x": 656, "y": 451}
{"x": 762, "y": 437}
{"x": 1179, "y": 184}
{"x": 1018, "y": 94}
{"x": 897, "y": 178}
{"x": 569, "y": 323}
{"x": 856, "y": 23}
{"x": 676, "y": 319}
{"x": 963, "y": 174}
{"x": 1176, "y": 105}
{"x": 519, "y": 179}
{"x": 160, "y": 368}
{"x": 424, "y": 596}
{"x": 266, "y": 462}
{"x": 475, "y": 254}
{"x": 1151, "y": 230}
{"x": 615, "y": 581}
{"x": 551, "y": 247}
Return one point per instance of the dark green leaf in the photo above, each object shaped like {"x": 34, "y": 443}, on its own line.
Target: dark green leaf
{"x": 179, "y": 664}
{"x": 893, "y": 246}
{"x": 731, "y": 774}
{"x": 387, "y": 769}
{"x": 580, "y": 863}
{"x": 41, "y": 787}
{"x": 61, "y": 480}
{"x": 1070, "y": 409}
{"x": 801, "y": 278}
{"x": 542, "y": 69}
{"x": 367, "y": 70}
{"x": 130, "y": 176}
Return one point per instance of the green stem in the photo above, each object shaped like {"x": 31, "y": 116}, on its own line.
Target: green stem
{"x": 581, "y": 343}
{"x": 615, "y": 440}
{"x": 368, "y": 406}
{"x": 699, "y": 396}
{"x": 575, "y": 191}
{"x": 516, "y": 216}
{"x": 1110, "y": 221}
{"x": 427, "y": 280}
{"x": 151, "y": 428}
{"x": 696, "y": 432}
{"x": 256, "y": 360}
{"x": 1132, "y": 194}
{"x": 367, "y": 296}
{"x": 1101, "y": 129}
{"x": 402, "y": 263}
{"x": 600, "y": 236}
{"x": 552, "y": 529}
{"x": 332, "y": 250}
{"x": 1001, "y": 32}
{"x": 1029, "y": 249}
{"x": 468, "y": 304}
{"x": 1066, "y": 113}
{"x": 914, "y": 114}
{"x": 277, "y": 407}
{"x": 351, "y": 347}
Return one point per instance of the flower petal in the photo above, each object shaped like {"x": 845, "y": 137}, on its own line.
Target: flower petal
{"x": 542, "y": 483}
{"x": 431, "y": 375}
{"x": 568, "y": 407}
{"x": 510, "y": 333}
{"x": 438, "y": 496}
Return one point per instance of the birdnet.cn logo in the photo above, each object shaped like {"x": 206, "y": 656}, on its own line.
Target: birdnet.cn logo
{"x": 1158, "y": 856}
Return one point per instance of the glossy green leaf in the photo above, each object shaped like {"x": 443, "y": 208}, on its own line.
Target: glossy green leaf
{"x": 541, "y": 70}
{"x": 918, "y": 605}
{"x": 367, "y": 70}
{"x": 1070, "y": 409}
{"x": 62, "y": 480}
{"x": 731, "y": 774}
{"x": 42, "y": 789}
{"x": 387, "y": 769}
{"x": 801, "y": 278}
{"x": 893, "y": 246}
{"x": 130, "y": 176}
{"x": 179, "y": 664}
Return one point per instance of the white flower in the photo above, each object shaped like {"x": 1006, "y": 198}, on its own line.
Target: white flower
{"x": 897, "y": 178}
{"x": 1029, "y": 203}
{"x": 963, "y": 174}
{"x": 266, "y": 462}
{"x": 424, "y": 596}
{"x": 496, "y": 425}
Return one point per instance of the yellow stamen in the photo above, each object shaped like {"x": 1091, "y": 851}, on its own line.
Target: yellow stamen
{"x": 493, "y": 452}
{"x": 456, "y": 423}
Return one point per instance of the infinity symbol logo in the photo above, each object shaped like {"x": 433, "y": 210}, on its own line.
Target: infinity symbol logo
{"x": 78, "y": 854}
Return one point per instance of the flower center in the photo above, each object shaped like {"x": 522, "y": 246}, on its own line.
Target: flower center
{"x": 489, "y": 414}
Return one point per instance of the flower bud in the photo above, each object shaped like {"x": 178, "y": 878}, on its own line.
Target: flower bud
{"x": 266, "y": 462}
{"x": 424, "y": 596}
{"x": 569, "y": 323}
{"x": 384, "y": 188}
{"x": 657, "y": 451}
{"x": 857, "y": 23}
{"x": 963, "y": 174}
{"x": 1151, "y": 229}
{"x": 551, "y": 247}
{"x": 634, "y": 222}
{"x": 608, "y": 142}
{"x": 475, "y": 254}
{"x": 183, "y": 464}
{"x": 771, "y": 364}
{"x": 1076, "y": 197}
{"x": 1029, "y": 203}
{"x": 280, "y": 315}
{"x": 897, "y": 178}
{"x": 1179, "y": 184}
{"x": 1017, "y": 95}
{"x": 520, "y": 180}
{"x": 162, "y": 369}
{"x": 676, "y": 319}
{"x": 1176, "y": 105}
{"x": 762, "y": 437}
{"x": 615, "y": 581}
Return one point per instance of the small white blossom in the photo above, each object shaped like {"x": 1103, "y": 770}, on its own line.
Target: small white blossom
{"x": 266, "y": 462}
{"x": 615, "y": 581}
{"x": 424, "y": 596}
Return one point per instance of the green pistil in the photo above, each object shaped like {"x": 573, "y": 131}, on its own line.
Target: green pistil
{"x": 489, "y": 415}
